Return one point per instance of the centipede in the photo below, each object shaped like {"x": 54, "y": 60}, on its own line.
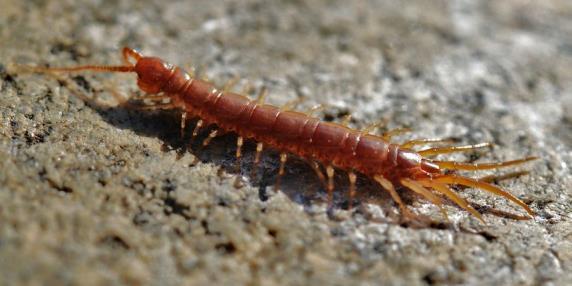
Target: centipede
{"x": 328, "y": 147}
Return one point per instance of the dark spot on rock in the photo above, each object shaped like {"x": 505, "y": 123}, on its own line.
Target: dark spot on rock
{"x": 226, "y": 248}
{"x": 82, "y": 82}
{"x": 173, "y": 207}
{"x": 168, "y": 186}
{"x": 487, "y": 235}
{"x": 114, "y": 242}
{"x": 142, "y": 218}
{"x": 263, "y": 194}
{"x": 273, "y": 233}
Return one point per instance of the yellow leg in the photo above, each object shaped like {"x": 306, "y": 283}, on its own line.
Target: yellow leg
{"x": 229, "y": 85}
{"x": 389, "y": 134}
{"x": 315, "y": 109}
{"x": 283, "y": 159}
{"x": 388, "y": 186}
{"x": 452, "y": 149}
{"x": 183, "y": 123}
{"x": 371, "y": 127}
{"x": 416, "y": 142}
{"x": 450, "y": 165}
{"x": 352, "y": 177}
{"x": 452, "y": 195}
{"x": 292, "y": 104}
{"x": 346, "y": 120}
{"x": 316, "y": 167}
{"x": 458, "y": 180}
{"x": 262, "y": 95}
{"x": 330, "y": 186}
{"x": 212, "y": 135}
{"x": 418, "y": 188}
{"x": 259, "y": 148}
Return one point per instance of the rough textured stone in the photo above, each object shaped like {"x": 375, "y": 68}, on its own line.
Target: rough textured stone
{"x": 91, "y": 195}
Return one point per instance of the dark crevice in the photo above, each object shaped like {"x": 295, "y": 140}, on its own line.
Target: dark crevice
{"x": 60, "y": 188}
{"x": 226, "y": 248}
{"x": 114, "y": 242}
{"x": 173, "y": 207}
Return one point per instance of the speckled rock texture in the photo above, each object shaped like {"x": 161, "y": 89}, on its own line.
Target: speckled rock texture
{"x": 92, "y": 194}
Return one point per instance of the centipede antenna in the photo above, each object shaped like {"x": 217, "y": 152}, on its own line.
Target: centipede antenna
{"x": 94, "y": 68}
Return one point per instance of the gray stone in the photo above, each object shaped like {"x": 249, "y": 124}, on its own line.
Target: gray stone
{"x": 93, "y": 195}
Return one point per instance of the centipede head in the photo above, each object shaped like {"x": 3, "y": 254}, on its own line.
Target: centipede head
{"x": 152, "y": 74}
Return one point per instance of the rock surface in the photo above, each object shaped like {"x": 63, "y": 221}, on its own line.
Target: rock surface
{"x": 98, "y": 196}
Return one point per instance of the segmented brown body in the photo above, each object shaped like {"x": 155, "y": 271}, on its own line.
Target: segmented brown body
{"x": 333, "y": 145}
{"x": 289, "y": 131}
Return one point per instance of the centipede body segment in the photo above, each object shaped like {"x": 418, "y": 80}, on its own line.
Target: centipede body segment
{"x": 327, "y": 146}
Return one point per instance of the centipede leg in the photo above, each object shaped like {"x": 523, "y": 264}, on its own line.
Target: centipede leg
{"x": 458, "y": 180}
{"x": 451, "y": 165}
{"x": 201, "y": 73}
{"x": 259, "y": 148}
{"x": 246, "y": 89}
{"x": 211, "y": 136}
{"x": 496, "y": 178}
{"x": 283, "y": 159}
{"x": 373, "y": 126}
{"x": 262, "y": 93}
{"x": 229, "y": 85}
{"x": 452, "y": 149}
{"x": 389, "y": 134}
{"x": 425, "y": 141}
{"x": 316, "y": 167}
{"x": 346, "y": 120}
{"x": 315, "y": 109}
{"x": 419, "y": 189}
{"x": 330, "y": 187}
{"x": 183, "y": 123}
{"x": 352, "y": 177}
{"x": 452, "y": 195}
{"x": 292, "y": 104}
{"x": 197, "y": 128}
{"x": 239, "y": 143}
{"x": 388, "y": 186}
